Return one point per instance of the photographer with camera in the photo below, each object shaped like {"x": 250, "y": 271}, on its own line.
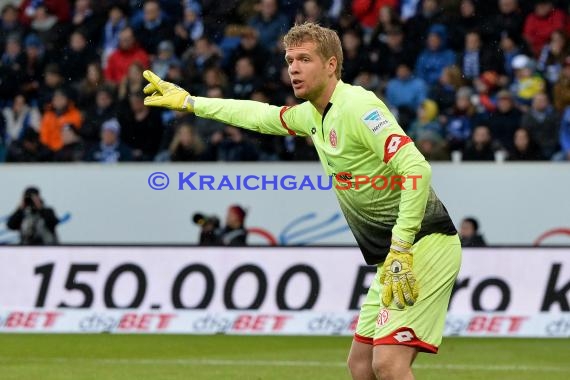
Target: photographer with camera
{"x": 233, "y": 234}
{"x": 210, "y": 232}
{"x": 34, "y": 220}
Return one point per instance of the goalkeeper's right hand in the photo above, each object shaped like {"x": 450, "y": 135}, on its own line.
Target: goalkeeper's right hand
{"x": 165, "y": 94}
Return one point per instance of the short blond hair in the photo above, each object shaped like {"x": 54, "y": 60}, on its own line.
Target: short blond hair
{"x": 327, "y": 41}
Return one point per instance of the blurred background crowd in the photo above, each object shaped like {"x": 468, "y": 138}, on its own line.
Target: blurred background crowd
{"x": 468, "y": 80}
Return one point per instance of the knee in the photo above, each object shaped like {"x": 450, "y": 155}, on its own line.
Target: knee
{"x": 389, "y": 369}
{"x": 359, "y": 368}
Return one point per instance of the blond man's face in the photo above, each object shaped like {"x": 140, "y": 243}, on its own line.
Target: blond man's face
{"x": 308, "y": 72}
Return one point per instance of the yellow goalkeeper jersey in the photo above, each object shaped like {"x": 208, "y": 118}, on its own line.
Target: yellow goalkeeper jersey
{"x": 356, "y": 138}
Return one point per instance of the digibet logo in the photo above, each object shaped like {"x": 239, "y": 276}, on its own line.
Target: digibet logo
{"x": 242, "y": 323}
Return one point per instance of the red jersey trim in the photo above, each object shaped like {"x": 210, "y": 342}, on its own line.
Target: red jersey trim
{"x": 407, "y": 337}
{"x": 283, "y": 123}
{"x": 393, "y": 144}
{"x": 363, "y": 339}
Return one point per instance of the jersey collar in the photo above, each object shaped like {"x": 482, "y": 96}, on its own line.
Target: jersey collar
{"x": 338, "y": 90}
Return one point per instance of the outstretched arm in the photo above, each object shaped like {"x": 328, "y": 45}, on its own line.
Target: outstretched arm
{"x": 248, "y": 114}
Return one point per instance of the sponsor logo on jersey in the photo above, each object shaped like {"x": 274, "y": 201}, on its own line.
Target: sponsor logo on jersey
{"x": 393, "y": 144}
{"x": 333, "y": 138}
{"x": 375, "y": 121}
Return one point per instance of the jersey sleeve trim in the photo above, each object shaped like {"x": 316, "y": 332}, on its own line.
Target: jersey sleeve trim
{"x": 283, "y": 123}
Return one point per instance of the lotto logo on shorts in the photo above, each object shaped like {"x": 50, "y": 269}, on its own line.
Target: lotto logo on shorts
{"x": 382, "y": 317}
{"x": 404, "y": 336}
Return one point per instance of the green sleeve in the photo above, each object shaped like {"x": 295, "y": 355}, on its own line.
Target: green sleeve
{"x": 410, "y": 162}
{"x": 252, "y": 115}
{"x": 399, "y": 153}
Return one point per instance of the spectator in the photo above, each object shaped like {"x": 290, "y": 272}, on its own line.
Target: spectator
{"x": 432, "y": 146}
{"x": 131, "y": 83}
{"x": 33, "y": 64}
{"x": 245, "y": 79}
{"x": 34, "y": 220}
{"x": 30, "y": 8}
{"x": 476, "y": 59}
{"x": 511, "y": 46}
{"x": 101, "y": 110}
{"x": 561, "y": 91}
{"x": 185, "y": 146}
{"x": 417, "y": 27}
{"x": 116, "y": 22}
{"x": 9, "y": 25}
{"x": 141, "y": 127}
{"x": 52, "y": 80}
{"x": 232, "y": 145}
{"x": 28, "y": 149}
{"x": 482, "y": 146}
{"x": 61, "y": 113}
{"x": 202, "y": 55}
{"x": 386, "y": 56}
{"x": 526, "y": 83}
{"x": 190, "y": 28}
{"x": 355, "y": 58}
{"x": 405, "y": 94}
{"x": 154, "y": 28}
{"x": 387, "y": 20}
{"x": 110, "y": 150}
{"x": 18, "y": 118}
{"x": 540, "y": 24}
{"x": 504, "y": 121}
{"x": 76, "y": 56}
{"x": 88, "y": 87}
{"x": 51, "y": 31}
{"x": 525, "y": 148}
{"x": 11, "y": 68}
{"x": 249, "y": 46}
{"x": 73, "y": 149}
{"x": 299, "y": 149}
{"x": 443, "y": 92}
{"x": 508, "y": 21}
{"x": 486, "y": 87}
{"x": 459, "y": 122}
{"x": 469, "y": 233}
{"x": 367, "y": 12}
{"x": 466, "y": 21}
{"x": 436, "y": 56}
{"x": 543, "y": 123}
{"x": 312, "y": 12}
{"x": 564, "y": 153}
{"x": 426, "y": 120}
{"x": 269, "y": 22}
{"x": 85, "y": 18}
{"x": 552, "y": 57}
{"x": 121, "y": 59}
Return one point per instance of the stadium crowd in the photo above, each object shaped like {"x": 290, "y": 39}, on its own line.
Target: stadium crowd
{"x": 467, "y": 79}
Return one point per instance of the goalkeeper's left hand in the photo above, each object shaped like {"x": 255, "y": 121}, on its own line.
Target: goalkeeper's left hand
{"x": 397, "y": 277}
{"x": 166, "y": 94}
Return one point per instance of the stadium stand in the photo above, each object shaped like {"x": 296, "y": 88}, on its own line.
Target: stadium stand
{"x": 446, "y": 68}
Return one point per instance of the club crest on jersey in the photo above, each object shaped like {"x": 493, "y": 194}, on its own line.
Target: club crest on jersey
{"x": 375, "y": 121}
{"x": 333, "y": 139}
{"x": 383, "y": 317}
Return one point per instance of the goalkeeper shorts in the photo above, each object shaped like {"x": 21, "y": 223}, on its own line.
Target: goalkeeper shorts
{"x": 437, "y": 260}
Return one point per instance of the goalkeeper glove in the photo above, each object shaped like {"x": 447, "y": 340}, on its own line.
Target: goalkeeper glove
{"x": 166, "y": 94}
{"x": 399, "y": 281}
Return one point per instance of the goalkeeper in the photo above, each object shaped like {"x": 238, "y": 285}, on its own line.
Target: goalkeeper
{"x": 405, "y": 230}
